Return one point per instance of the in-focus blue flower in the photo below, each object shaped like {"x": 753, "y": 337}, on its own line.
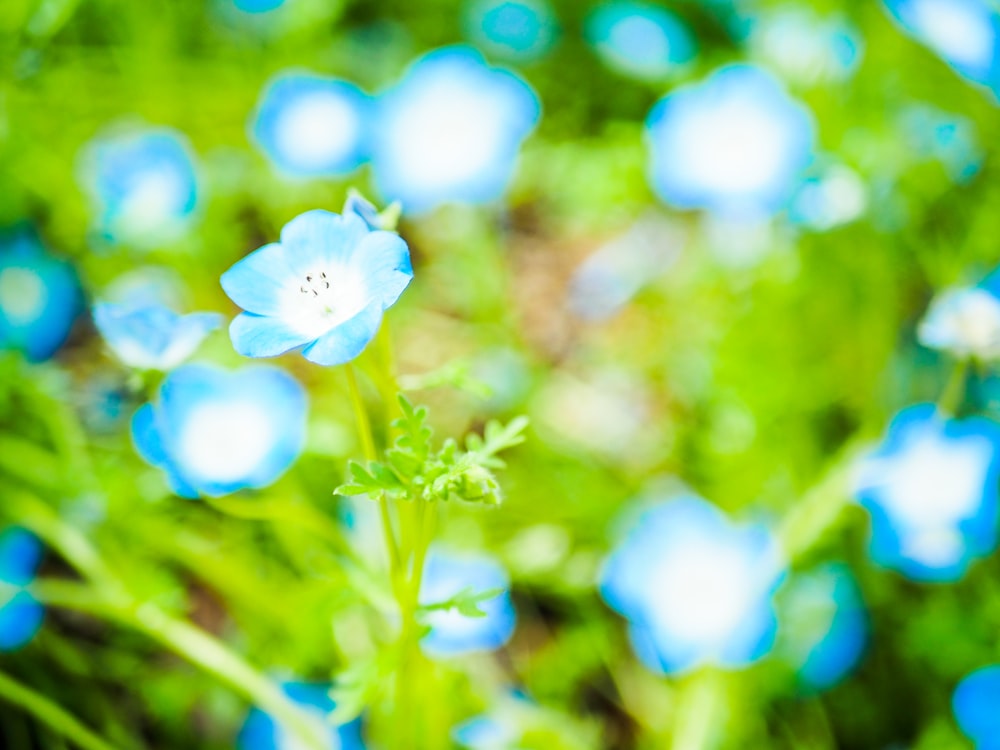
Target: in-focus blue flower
{"x": 964, "y": 322}
{"x": 931, "y": 490}
{"x": 975, "y": 702}
{"x": 309, "y": 125}
{"x": 804, "y": 47}
{"x": 143, "y": 184}
{"x": 831, "y": 198}
{"x": 323, "y": 287}
{"x": 825, "y": 625}
{"x": 735, "y": 143}
{"x": 964, "y": 33}
{"x": 639, "y": 40}
{"x": 261, "y": 731}
{"x": 695, "y": 588}
{"x": 40, "y": 297}
{"x": 451, "y": 131}
{"x": 152, "y": 337}
{"x": 20, "y": 613}
{"x": 215, "y": 432}
{"x": 446, "y": 574}
{"x": 519, "y": 29}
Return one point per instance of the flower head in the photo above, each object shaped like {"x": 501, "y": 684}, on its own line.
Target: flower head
{"x": 143, "y": 184}
{"x": 518, "y": 29}
{"x": 695, "y": 588}
{"x": 215, "y": 432}
{"x": 735, "y": 143}
{"x": 308, "y": 125}
{"x": 20, "y": 613}
{"x": 40, "y": 298}
{"x": 323, "y": 287}
{"x": 261, "y": 731}
{"x": 825, "y": 625}
{"x": 931, "y": 490}
{"x": 975, "y": 702}
{"x": 805, "y": 47}
{"x": 964, "y": 33}
{"x": 446, "y": 574}
{"x": 152, "y": 337}
{"x": 834, "y": 196}
{"x": 450, "y": 131}
{"x": 639, "y": 40}
{"x": 964, "y": 322}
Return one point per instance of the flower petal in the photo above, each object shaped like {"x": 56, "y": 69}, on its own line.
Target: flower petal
{"x": 20, "y": 619}
{"x": 20, "y": 553}
{"x": 149, "y": 444}
{"x": 348, "y": 340}
{"x": 257, "y": 282}
{"x": 316, "y": 238}
{"x": 261, "y": 336}
{"x": 384, "y": 260}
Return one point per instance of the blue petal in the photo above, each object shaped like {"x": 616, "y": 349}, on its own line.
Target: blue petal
{"x": 20, "y": 619}
{"x": 384, "y": 260}
{"x": 315, "y": 238}
{"x": 261, "y": 336}
{"x": 20, "y": 553}
{"x": 256, "y": 282}
{"x": 348, "y": 340}
{"x": 148, "y": 441}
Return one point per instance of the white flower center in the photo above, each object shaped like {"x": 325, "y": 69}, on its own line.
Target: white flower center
{"x": 324, "y": 298}
{"x": 316, "y": 130}
{"x": 225, "y": 441}
{"x": 23, "y": 295}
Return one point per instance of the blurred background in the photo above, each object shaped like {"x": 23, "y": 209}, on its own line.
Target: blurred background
{"x": 693, "y": 241}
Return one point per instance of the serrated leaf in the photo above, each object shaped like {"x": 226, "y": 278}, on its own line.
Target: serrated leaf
{"x": 466, "y": 602}
{"x": 353, "y": 689}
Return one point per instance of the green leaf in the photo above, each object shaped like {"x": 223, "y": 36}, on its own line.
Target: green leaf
{"x": 466, "y": 602}
{"x": 355, "y": 688}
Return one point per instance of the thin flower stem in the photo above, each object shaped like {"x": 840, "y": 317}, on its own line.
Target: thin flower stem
{"x": 368, "y": 447}
{"x": 50, "y": 714}
{"x": 954, "y": 389}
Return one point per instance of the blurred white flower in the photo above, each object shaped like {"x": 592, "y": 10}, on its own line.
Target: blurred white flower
{"x": 963, "y": 322}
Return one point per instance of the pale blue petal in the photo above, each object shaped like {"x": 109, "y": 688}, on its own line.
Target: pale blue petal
{"x": 313, "y": 239}
{"x": 348, "y": 340}
{"x": 256, "y": 282}
{"x": 384, "y": 261}
{"x": 261, "y": 336}
{"x": 149, "y": 444}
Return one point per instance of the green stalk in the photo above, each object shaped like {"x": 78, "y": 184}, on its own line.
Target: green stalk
{"x": 954, "y": 389}
{"x": 50, "y": 714}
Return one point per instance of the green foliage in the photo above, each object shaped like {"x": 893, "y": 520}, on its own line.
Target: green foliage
{"x": 414, "y": 468}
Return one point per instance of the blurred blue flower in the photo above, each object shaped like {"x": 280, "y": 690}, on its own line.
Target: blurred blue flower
{"x": 258, "y": 6}
{"x": 964, "y": 322}
{"x": 152, "y": 337}
{"x": 825, "y": 625}
{"x": 485, "y": 733}
{"x": 308, "y": 125}
{"x": 451, "y": 131}
{"x": 835, "y": 196}
{"x": 735, "y": 143}
{"x": 964, "y": 33}
{"x": 804, "y": 47}
{"x": 638, "y": 39}
{"x": 323, "y": 287}
{"x": 20, "y": 613}
{"x": 931, "y": 490}
{"x": 519, "y": 29}
{"x": 975, "y": 702}
{"x": 447, "y": 574}
{"x": 695, "y": 588}
{"x": 40, "y": 297}
{"x": 261, "y": 731}
{"x": 215, "y": 432}
{"x": 950, "y": 139}
{"x": 143, "y": 184}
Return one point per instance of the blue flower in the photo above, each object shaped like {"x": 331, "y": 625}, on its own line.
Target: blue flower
{"x": 804, "y": 47}
{"x": 309, "y": 126}
{"x": 975, "y": 702}
{"x": 215, "y": 432}
{"x": 143, "y": 184}
{"x": 261, "y": 731}
{"x": 258, "y": 6}
{"x": 519, "y": 29}
{"x": 323, "y": 287}
{"x": 639, "y": 40}
{"x": 735, "y": 143}
{"x": 40, "y": 298}
{"x": 485, "y": 733}
{"x": 931, "y": 490}
{"x": 695, "y": 588}
{"x": 152, "y": 337}
{"x": 834, "y": 196}
{"x": 964, "y": 322}
{"x": 450, "y": 131}
{"x": 20, "y": 613}
{"x": 964, "y": 33}
{"x": 825, "y": 625}
{"x": 446, "y": 574}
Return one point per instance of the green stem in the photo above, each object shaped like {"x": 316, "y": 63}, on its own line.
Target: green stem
{"x": 954, "y": 389}
{"x": 50, "y": 714}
